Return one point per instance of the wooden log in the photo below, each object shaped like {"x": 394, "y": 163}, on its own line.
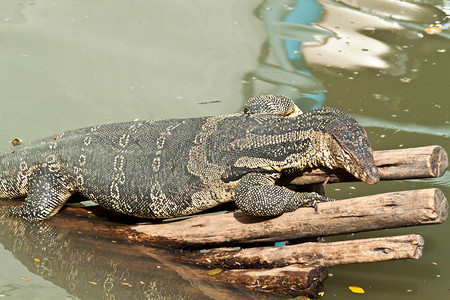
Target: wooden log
{"x": 292, "y": 280}
{"x": 325, "y": 254}
{"x": 421, "y": 162}
{"x": 389, "y": 210}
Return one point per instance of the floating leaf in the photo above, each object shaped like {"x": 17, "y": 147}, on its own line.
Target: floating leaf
{"x": 16, "y": 142}
{"x": 25, "y": 278}
{"x": 127, "y": 284}
{"x": 93, "y": 282}
{"x": 356, "y": 289}
{"x": 208, "y": 260}
{"x": 433, "y": 30}
{"x": 214, "y": 271}
{"x": 37, "y": 259}
{"x": 434, "y": 263}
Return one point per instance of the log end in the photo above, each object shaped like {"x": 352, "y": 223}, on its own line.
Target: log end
{"x": 438, "y": 162}
{"x": 441, "y": 206}
{"x": 419, "y": 242}
{"x": 292, "y": 280}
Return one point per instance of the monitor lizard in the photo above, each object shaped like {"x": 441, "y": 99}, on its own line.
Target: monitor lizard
{"x": 177, "y": 167}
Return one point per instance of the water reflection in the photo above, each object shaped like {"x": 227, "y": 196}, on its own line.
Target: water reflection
{"x": 288, "y": 26}
{"x": 413, "y": 11}
{"x": 338, "y": 36}
{"x": 367, "y": 121}
{"x": 65, "y": 252}
{"x": 356, "y": 43}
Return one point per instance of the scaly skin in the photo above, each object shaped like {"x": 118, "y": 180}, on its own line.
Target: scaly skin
{"x": 169, "y": 168}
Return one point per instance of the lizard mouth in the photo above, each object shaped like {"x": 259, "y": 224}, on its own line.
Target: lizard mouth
{"x": 363, "y": 168}
{"x": 368, "y": 174}
{"x": 372, "y": 176}
{"x": 359, "y": 163}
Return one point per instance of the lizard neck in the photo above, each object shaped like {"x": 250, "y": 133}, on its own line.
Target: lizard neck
{"x": 318, "y": 153}
{"x": 323, "y": 153}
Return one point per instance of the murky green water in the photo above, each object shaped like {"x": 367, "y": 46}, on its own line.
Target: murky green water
{"x": 70, "y": 64}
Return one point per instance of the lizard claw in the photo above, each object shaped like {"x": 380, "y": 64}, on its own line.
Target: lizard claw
{"x": 322, "y": 199}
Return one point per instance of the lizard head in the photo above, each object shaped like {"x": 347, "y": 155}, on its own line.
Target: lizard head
{"x": 351, "y": 150}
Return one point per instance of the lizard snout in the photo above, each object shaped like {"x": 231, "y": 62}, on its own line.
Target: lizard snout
{"x": 372, "y": 176}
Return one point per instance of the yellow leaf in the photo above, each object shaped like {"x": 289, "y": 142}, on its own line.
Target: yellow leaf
{"x": 214, "y": 271}
{"x": 16, "y": 142}
{"x": 208, "y": 260}
{"x": 356, "y": 289}
{"x": 434, "y": 263}
{"x": 92, "y": 282}
{"x": 25, "y": 278}
{"x": 127, "y": 284}
{"x": 37, "y": 259}
{"x": 433, "y": 30}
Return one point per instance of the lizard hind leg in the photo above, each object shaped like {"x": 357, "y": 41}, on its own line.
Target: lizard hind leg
{"x": 47, "y": 192}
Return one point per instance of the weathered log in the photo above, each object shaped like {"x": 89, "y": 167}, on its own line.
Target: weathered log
{"x": 325, "y": 254}
{"x": 420, "y": 162}
{"x": 389, "y": 210}
{"x": 292, "y": 280}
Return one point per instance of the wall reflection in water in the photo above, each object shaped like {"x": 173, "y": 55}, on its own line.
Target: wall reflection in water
{"x": 335, "y": 37}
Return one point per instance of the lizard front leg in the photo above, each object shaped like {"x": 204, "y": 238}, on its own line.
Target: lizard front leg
{"x": 257, "y": 195}
{"x": 47, "y": 192}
